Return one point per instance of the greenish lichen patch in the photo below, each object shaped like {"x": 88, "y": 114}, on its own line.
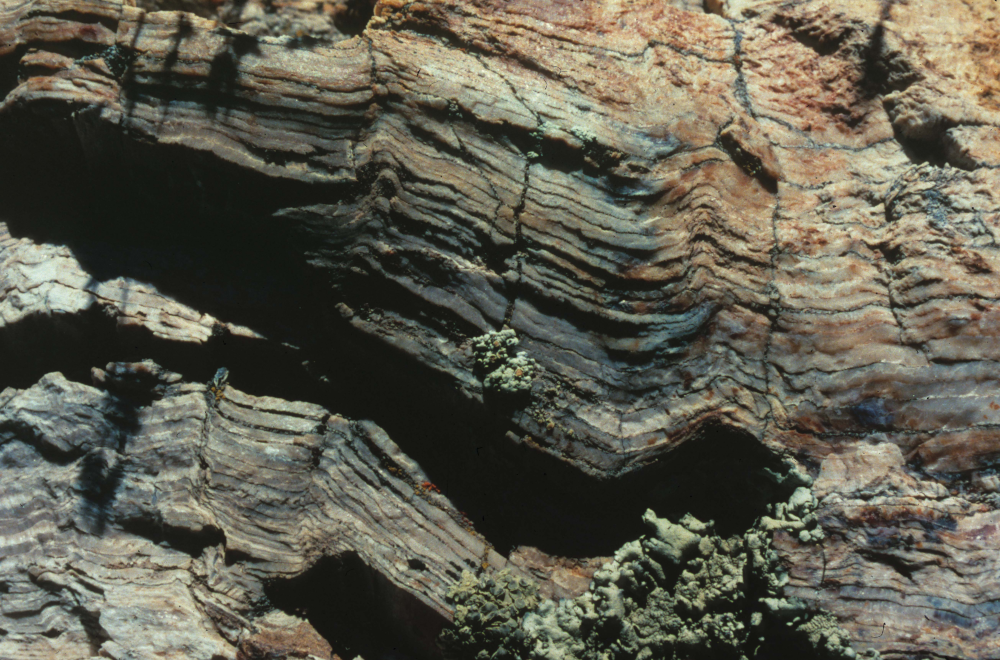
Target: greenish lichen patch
{"x": 502, "y": 370}
{"x": 487, "y": 619}
{"x": 797, "y": 516}
{"x": 680, "y": 592}
{"x": 684, "y": 592}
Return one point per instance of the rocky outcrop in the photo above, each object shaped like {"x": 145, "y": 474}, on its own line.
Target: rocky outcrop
{"x": 194, "y": 502}
{"x": 576, "y": 259}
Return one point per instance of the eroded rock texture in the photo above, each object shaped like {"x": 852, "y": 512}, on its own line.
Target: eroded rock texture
{"x": 721, "y": 234}
{"x": 118, "y": 514}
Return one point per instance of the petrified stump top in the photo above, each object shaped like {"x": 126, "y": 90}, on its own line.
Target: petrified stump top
{"x": 768, "y": 220}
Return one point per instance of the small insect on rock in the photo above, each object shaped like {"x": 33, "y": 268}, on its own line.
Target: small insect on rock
{"x": 217, "y": 386}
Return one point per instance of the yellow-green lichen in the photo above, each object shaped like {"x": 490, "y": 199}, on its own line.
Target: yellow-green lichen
{"x": 681, "y": 592}
{"x": 502, "y": 370}
{"x": 488, "y": 611}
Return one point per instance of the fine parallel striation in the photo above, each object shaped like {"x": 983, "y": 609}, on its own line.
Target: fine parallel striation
{"x": 275, "y": 485}
{"x": 774, "y": 219}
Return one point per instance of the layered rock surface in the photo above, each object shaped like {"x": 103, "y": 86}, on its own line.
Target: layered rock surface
{"x": 151, "y": 528}
{"x": 771, "y": 221}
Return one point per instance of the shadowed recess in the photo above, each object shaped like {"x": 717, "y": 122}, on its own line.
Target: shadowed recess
{"x": 357, "y": 611}
{"x": 353, "y": 16}
{"x": 724, "y": 475}
{"x": 98, "y": 481}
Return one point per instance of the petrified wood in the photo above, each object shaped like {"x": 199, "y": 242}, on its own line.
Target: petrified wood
{"x": 758, "y": 227}
{"x": 277, "y": 484}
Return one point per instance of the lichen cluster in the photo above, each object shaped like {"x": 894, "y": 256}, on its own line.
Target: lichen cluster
{"x": 796, "y": 516}
{"x": 503, "y": 370}
{"x": 684, "y": 592}
{"x": 679, "y": 592}
{"x": 488, "y": 612}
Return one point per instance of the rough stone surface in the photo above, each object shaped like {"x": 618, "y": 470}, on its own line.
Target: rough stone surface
{"x": 46, "y": 280}
{"x": 122, "y": 521}
{"x": 768, "y": 220}
{"x": 280, "y": 635}
{"x": 557, "y": 577}
{"x": 890, "y": 538}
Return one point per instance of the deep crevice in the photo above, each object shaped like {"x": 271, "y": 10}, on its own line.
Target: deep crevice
{"x": 898, "y": 564}
{"x": 354, "y": 16}
{"x": 71, "y": 49}
{"x": 723, "y": 474}
{"x": 9, "y": 66}
{"x": 932, "y": 152}
{"x": 358, "y": 611}
{"x": 238, "y": 557}
{"x": 74, "y": 16}
{"x": 514, "y": 494}
{"x": 91, "y": 623}
{"x": 190, "y": 542}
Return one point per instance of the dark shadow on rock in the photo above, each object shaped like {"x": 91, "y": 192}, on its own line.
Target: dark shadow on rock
{"x": 725, "y": 475}
{"x": 182, "y": 32}
{"x": 353, "y": 16}
{"x": 722, "y": 474}
{"x": 101, "y": 468}
{"x": 358, "y": 611}
{"x": 225, "y": 66}
{"x": 98, "y": 479}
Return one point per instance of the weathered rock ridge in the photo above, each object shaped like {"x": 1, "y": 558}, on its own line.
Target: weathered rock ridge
{"x": 726, "y": 239}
